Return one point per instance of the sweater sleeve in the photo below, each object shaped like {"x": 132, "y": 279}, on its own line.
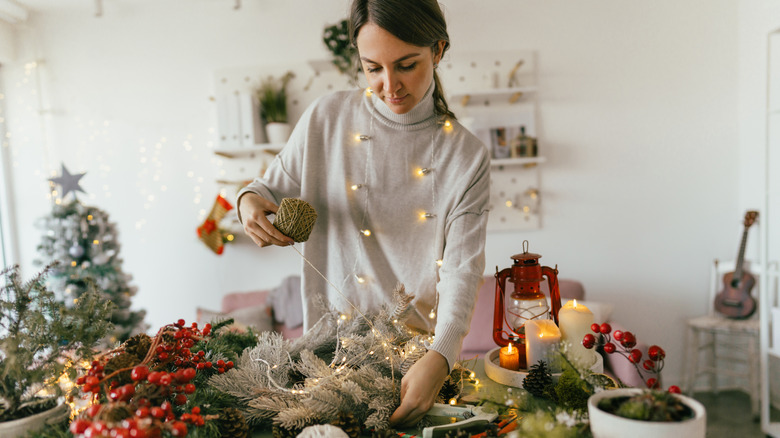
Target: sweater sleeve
{"x": 463, "y": 264}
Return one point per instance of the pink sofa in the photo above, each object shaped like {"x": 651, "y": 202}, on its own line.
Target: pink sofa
{"x": 480, "y": 338}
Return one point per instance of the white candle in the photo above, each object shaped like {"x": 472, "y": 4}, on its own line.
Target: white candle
{"x": 542, "y": 342}
{"x": 575, "y": 321}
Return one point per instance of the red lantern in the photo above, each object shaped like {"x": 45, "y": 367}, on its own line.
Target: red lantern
{"x": 526, "y": 300}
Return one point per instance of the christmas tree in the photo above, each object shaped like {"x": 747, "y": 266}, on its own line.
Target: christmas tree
{"x": 86, "y": 245}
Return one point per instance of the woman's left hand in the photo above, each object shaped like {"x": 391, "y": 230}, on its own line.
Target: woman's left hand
{"x": 419, "y": 388}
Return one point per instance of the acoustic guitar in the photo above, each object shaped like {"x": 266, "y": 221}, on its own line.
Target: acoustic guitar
{"x": 735, "y": 301}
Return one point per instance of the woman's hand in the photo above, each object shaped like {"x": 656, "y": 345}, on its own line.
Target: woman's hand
{"x": 419, "y": 388}
{"x": 254, "y": 209}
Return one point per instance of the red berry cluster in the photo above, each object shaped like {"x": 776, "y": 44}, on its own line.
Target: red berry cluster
{"x": 627, "y": 341}
{"x": 167, "y": 372}
{"x": 91, "y": 381}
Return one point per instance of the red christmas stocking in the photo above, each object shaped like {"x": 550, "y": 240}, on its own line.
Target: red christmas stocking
{"x": 209, "y": 232}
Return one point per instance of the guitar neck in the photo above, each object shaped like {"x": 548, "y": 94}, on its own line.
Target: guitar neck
{"x": 741, "y": 256}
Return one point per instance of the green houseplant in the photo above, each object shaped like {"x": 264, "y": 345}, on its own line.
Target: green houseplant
{"x": 336, "y": 39}
{"x": 272, "y": 99}
{"x": 40, "y": 337}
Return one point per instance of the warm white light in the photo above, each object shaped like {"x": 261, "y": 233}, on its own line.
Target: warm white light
{"x": 366, "y": 232}
{"x": 423, "y": 171}
{"x": 360, "y": 279}
{"x": 362, "y": 137}
{"x": 574, "y": 303}
{"x": 439, "y": 262}
{"x": 89, "y": 217}
{"x": 369, "y": 92}
{"x": 509, "y": 203}
{"x": 95, "y": 242}
{"x": 427, "y": 215}
{"x": 453, "y": 402}
{"x": 509, "y": 348}
{"x": 432, "y": 314}
{"x": 356, "y": 186}
{"x": 343, "y": 317}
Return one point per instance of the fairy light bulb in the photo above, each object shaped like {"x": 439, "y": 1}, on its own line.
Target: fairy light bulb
{"x": 73, "y": 263}
{"x": 356, "y": 186}
{"x": 424, "y": 171}
{"x": 362, "y": 137}
{"x": 453, "y": 402}
{"x": 343, "y": 317}
{"x": 439, "y": 262}
{"x": 89, "y": 217}
{"x": 369, "y": 92}
{"x": 425, "y": 215}
{"x": 366, "y": 232}
{"x": 360, "y": 279}
{"x": 432, "y": 314}
{"x": 95, "y": 242}
{"x": 509, "y": 203}
{"x": 447, "y": 126}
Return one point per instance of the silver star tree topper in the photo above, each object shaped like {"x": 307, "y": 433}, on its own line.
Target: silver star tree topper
{"x": 68, "y": 182}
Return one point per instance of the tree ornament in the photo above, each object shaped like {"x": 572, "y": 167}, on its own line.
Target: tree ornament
{"x": 295, "y": 219}
{"x": 68, "y": 182}
{"x": 538, "y": 379}
{"x": 76, "y": 251}
{"x": 209, "y": 231}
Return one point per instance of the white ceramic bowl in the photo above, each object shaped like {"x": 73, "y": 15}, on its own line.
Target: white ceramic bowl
{"x": 606, "y": 425}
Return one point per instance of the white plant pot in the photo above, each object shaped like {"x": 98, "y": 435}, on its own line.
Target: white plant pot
{"x": 606, "y": 425}
{"x": 20, "y": 427}
{"x": 277, "y": 132}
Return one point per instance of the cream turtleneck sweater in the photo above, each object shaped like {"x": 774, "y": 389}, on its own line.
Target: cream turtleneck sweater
{"x": 322, "y": 162}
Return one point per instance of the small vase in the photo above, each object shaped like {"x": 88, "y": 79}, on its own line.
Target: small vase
{"x": 20, "y": 427}
{"x": 606, "y": 425}
{"x": 277, "y": 132}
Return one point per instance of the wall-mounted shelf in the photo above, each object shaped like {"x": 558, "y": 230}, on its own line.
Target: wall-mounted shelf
{"x": 503, "y": 95}
{"x": 250, "y": 151}
{"x": 524, "y": 161}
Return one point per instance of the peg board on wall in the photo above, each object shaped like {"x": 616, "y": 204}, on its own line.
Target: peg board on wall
{"x": 484, "y": 89}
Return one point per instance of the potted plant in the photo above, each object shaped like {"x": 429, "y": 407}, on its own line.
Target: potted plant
{"x": 272, "y": 98}
{"x": 336, "y": 39}
{"x": 39, "y": 339}
{"x": 646, "y": 412}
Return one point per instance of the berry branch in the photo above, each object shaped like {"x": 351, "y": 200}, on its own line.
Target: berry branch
{"x": 604, "y": 337}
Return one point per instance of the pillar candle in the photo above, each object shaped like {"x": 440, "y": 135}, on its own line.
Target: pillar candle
{"x": 509, "y": 357}
{"x": 542, "y": 342}
{"x": 575, "y": 321}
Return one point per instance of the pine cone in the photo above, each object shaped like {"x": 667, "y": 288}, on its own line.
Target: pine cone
{"x": 538, "y": 379}
{"x": 384, "y": 433}
{"x": 118, "y": 362}
{"x": 232, "y": 424}
{"x": 449, "y": 390}
{"x": 281, "y": 432}
{"x": 138, "y": 345}
{"x": 348, "y": 423}
{"x": 457, "y": 433}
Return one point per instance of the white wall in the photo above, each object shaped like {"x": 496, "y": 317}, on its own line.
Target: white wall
{"x": 640, "y": 117}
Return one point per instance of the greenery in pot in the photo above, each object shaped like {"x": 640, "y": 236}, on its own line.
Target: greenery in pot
{"x": 648, "y": 405}
{"x": 272, "y": 97}
{"x": 336, "y": 39}
{"x": 39, "y": 339}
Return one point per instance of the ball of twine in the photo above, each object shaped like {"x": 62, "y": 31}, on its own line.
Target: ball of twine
{"x": 295, "y": 219}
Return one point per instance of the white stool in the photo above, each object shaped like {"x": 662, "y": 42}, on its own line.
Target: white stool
{"x": 724, "y": 341}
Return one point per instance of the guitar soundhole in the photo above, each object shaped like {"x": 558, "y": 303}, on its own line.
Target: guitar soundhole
{"x": 732, "y": 303}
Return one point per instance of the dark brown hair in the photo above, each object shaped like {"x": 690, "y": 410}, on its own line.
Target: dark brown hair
{"x": 417, "y": 22}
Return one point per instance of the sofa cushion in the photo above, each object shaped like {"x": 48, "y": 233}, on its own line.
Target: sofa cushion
{"x": 257, "y": 317}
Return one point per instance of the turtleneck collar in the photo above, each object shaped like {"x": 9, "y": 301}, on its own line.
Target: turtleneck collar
{"x": 421, "y": 116}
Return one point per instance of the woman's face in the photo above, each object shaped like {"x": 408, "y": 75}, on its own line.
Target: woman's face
{"x": 398, "y": 72}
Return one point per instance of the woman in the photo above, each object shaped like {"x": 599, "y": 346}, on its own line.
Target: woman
{"x": 400, "y": 187}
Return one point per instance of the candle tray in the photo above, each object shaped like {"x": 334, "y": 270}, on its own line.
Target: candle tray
{"x": 515, "y": 378}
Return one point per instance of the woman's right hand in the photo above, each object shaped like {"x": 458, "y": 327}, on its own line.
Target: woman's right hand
{"x": 254, "y": 209}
